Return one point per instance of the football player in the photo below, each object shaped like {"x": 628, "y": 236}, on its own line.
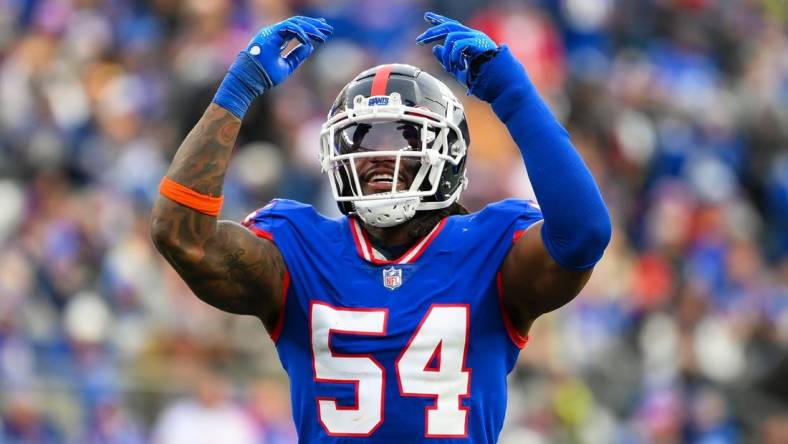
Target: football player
{"x": 399, "y": 321}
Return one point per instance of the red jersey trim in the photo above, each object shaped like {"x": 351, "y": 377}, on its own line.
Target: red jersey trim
{"x": 360, "y": 240}
{"x": 280, "y": 322}
{"x": 261, "y": 233}
{"x": 518, "y": 339}
{"x": 367, "y": 251}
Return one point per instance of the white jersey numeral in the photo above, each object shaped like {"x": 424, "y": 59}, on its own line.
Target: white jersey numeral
{"x": 432, "y": 365}
{"x": 364, "y": 371}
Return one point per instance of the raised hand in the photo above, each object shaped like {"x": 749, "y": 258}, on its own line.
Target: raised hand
{"x": 261, "y": 66}
{"x": 463, "y": 48}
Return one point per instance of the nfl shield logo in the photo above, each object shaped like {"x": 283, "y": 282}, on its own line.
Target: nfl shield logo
{"x": 392, "y": 278}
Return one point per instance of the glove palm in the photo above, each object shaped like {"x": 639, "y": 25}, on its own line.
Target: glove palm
{"x": 261, "y": 66}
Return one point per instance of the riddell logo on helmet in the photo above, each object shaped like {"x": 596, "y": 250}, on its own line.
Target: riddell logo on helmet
{"x": 378, "y": 100}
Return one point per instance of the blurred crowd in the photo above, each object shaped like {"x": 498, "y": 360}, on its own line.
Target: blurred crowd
{"x": 679, "y": 107}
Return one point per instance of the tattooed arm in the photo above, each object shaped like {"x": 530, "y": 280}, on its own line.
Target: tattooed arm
{"x": 222, "y": 262}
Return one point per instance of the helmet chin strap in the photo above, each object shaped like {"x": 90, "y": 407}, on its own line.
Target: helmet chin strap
{"x": 386, "y": 213}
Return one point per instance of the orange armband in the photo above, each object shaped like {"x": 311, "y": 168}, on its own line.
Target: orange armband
{"x": 187, "y": 197}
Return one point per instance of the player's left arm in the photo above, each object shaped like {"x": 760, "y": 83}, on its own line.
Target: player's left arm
{"x": 552, "y": 260}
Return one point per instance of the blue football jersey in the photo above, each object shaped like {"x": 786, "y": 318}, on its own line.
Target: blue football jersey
{"x": 410, "y": 350}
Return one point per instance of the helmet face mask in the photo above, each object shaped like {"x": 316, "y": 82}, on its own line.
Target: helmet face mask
{"x": 387, "y": 156}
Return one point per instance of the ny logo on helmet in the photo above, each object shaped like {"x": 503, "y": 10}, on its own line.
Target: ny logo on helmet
{"x": 392, "y": 278}
{"x": 378, "y": 100}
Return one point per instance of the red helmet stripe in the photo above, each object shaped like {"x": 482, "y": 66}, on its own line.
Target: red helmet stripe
{"x": 381, "y": 80}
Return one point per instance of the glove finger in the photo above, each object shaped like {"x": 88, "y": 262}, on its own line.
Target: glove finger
{"x": 435, "y": 19}
{"x": 437, "y": 51}
{"x": 313, "y": 32}
{"x": 448, "y": 44}
{"x": 460, "y": 52}
{"x": 438, "y": 32}
{"x": 451, "y": 39}
{"x": 320, "y": 24}
{"x": 291, "y": 30}
{"x": 446, "y": 62}
{"x": 297, "y": 56}
{"x": 431, "y": 35}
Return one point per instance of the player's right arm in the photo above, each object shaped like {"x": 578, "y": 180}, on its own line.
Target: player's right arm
{"x": 225, "y": 264}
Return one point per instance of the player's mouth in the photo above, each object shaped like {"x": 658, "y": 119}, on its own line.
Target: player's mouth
{"x": 380, "y": 180}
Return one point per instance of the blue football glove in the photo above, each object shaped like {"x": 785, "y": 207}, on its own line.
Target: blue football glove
{"x": 464, "y": 50}
{"x": 261, "y": 66}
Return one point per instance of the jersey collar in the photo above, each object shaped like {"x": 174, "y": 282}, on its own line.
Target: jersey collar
{"x": 370, "y": 254}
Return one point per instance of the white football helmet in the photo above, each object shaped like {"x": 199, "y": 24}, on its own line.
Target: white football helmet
{"x": 395, "y": 142}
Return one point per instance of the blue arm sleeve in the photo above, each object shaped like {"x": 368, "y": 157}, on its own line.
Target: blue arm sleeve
{"x": 576, "y": 226}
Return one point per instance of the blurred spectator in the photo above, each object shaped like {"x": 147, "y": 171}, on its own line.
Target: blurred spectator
{"x": 111, "y": 423}
{"x": 269, "y": 407}
{"x": 23, "y": 422}
{"x": 205, "y": 417}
